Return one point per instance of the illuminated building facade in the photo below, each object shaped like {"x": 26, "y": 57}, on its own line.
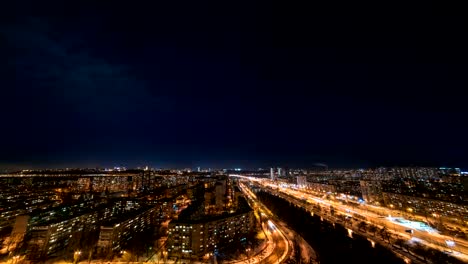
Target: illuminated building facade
{"x": 198, "y": 231}
{"x": 116, "y": 232}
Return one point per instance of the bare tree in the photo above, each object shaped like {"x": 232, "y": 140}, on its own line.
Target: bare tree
{"x": 362, "y": 226}
{"x": 373, "y": 229}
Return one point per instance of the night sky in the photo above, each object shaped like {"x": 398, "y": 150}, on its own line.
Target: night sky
{"x": 232, "y": 84}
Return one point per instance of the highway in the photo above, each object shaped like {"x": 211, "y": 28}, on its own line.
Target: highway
{"x": 277, "y": 249}
{"x": 397, "y": 226}
{"x": 281, "y": 246}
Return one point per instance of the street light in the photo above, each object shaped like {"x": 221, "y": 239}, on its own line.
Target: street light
{"x": 450, "y": 244}
{"x": 410, "y": 210}
{"x": 247, "y": 251}
{"x": 76, "y": 256}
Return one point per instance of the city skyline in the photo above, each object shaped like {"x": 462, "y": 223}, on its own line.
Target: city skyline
{"x": 97, "y": 85}
{"x": 231, "y": 132}
{"x": 400, "y": 215}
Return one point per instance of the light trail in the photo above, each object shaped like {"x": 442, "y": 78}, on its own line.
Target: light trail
{"x": 427, "y": 236}
{"x": 265, "y": 211}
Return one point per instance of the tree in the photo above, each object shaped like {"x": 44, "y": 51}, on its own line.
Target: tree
{"x": 362, "y": 226}
{"x": 420, "y": 250}
{"x": 384, "y": 234}
{"x": 297, "y": 252}
{"x": 373, "y": 229}
{"x": 437, "y": 256}
{"x": 401, "y": 243}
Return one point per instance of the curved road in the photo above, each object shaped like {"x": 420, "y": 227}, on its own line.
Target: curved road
{"x": 281, "y": 245}
{"x": 429, "y": 238}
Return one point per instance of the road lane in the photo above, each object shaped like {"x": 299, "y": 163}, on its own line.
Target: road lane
{"x": 431, "y": 239}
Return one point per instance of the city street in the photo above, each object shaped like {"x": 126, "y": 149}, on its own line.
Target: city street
{"x": 281, "y": 246}
{"x": 276, "y": 250}
{"x": 399, "y": 227}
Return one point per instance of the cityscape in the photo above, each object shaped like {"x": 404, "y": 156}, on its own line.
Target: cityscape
{"x": 146, "y": 215}
{"x": 233, "y": 132}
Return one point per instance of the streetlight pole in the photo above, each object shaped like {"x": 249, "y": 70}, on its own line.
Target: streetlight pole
{"x": 410, "y": 210}
{"x": 76, "y": 256}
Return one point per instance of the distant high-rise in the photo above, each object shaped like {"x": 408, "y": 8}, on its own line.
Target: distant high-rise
{"x": 282, "y": 172}
{"x": 301, "y": 181}
{"x": 272, "y": 174}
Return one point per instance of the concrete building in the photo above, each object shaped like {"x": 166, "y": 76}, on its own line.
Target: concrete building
{"x": 301, "y": 181}
{"x": 220, "y": 192}
{"x": 52, "y": 236}
{"x": 20, "y": 229}
{"x": 272, "y": 174}
{"x": 198, "y": 231}
{"x": 372, "y": 191}
{"x": 203, "y": 236}
{"x": 116, "y": 232}
{"x": 321, "y": 188}
{"x": 411, "y": 205}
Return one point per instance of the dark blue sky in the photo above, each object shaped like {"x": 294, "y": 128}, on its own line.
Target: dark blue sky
{"x": 232, "y": 84}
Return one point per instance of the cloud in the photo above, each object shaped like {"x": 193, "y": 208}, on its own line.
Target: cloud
{"x": 61, "y": 69}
